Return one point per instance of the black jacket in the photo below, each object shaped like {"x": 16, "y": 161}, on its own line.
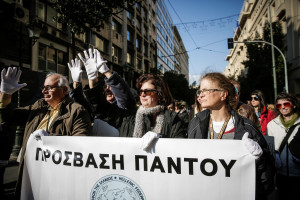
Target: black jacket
{"x": 199, "y": 127}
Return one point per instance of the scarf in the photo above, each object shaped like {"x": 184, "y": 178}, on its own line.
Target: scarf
{"x": 139, "y": 119}
{"x": 289, "y": 123}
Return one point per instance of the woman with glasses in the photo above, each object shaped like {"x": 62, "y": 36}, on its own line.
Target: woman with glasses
{"x": 220, "y": 121}
{"x": 284, "y": 128}
{"x": 263, "y": 114}
{"x": 151, "y": 118}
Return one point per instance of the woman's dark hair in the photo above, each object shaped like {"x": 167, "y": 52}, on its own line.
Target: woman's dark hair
{"x": 291, "y": 98}
{"x": 248, "y": 111}
{"x": 261, "y": 98}
{"x": 225, "y": 84}
{"x": 165, "y": 96}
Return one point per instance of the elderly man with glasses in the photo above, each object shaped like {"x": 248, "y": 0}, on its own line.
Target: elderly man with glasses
{"x": 55, "y": 114}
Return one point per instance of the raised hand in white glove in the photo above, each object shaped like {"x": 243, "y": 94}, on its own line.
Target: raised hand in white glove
{"x": 39, "y": 133}
{"x": 252, "y": 146}
{"x": 148, "y": 141}
{"x": 101, "y": 63}
{"x": 10, "y": 79}
{"x": 92, "y": 63}
{"x": 75, "y": 69}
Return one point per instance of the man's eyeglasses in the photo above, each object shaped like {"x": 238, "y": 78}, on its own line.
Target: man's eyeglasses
{"x": 255, "y": 98}
{"x": 207, "y": 91}
{"x": 286, "y": 105}
{"x": 147, "y": 92}
{"x": 49, "y": 87}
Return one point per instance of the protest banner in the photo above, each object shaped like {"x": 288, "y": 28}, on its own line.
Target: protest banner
{"x": 62, "y": 167}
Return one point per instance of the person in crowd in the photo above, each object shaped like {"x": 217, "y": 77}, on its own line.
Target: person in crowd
{"x": 152, "y": 118}
{"x": 122, "y": 98}
{"x": 237, "y": 87}
{"x": 247, "y": 111}
{"x": 182, "y": 112}
{"x": 284, "y": 128}
{"x": 172, "y": 106}
{"x": 270, "y": 107}
{"x": 185, "y": 106}
{"x": 263, "y": 114}
{"x": 221, "y": 121}
{"x": 196, "y": 107}
{"x": 55, "y": 114}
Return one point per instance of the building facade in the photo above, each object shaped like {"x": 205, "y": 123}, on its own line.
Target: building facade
{"x": 127, "y": 41}
{"x": 135, "y": 41}
{"x": 252, "y": 18}
{"x": 165, "y": 38}
{"x": 181, "y": 61}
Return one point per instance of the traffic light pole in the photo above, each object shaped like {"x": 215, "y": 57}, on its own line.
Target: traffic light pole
{"x": 284, "y": 60}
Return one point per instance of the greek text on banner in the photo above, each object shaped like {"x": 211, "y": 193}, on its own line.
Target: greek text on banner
{"x": 116, "y": 168}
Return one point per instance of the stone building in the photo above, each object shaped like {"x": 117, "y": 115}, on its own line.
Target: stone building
{"x": 252, "y": 18}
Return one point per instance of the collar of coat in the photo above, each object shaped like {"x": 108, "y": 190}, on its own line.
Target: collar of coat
{"x": 64, "y": 108}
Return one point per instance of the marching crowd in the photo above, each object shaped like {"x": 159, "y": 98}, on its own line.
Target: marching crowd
{"x": 109, "y": 107}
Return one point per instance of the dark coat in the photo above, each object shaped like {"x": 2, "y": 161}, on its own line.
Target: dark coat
{"x": 199, "y": 127}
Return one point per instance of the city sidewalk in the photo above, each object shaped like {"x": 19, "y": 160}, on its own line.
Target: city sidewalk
{"x": 10, "y": 179}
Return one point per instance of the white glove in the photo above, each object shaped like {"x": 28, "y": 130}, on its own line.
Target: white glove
{"x": 10, "y": 79}
{"x": 93, "y": 62}
{"x": 277, "y": 160}
{"x": 39, "y": 133}
{"x": 148, "y": 141}
{"x": 252, "y": 146}
{"x": 75, "y": 69}
{"x": 101, "y": 63}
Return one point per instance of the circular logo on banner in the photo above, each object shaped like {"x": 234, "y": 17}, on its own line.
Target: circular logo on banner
{"x": 113, "y": 187}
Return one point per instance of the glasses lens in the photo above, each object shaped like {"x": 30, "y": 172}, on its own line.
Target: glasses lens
{"x": 255, "y": 98}
{"x": 198, "y": 93}
{"x": 278, "y": 106}
{"x": 147, "y": 92}
{"x": 287, "y": 104}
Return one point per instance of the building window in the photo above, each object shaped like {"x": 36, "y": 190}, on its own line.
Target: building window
{"x": 145, "y": 49}
{"x": 52, "y": 60}
{"x": 41, "y": 10}
{"x": 99, "y": 44}
{"x": 116, "y": 26}
{"x": 129, "y": 58}
{"x": 80, "y": 36}
{"x": 50, "y": 14}
{"x": 139, "y": 63}
{"x": 129, "y": 36}
{"x": 129, "y": 15}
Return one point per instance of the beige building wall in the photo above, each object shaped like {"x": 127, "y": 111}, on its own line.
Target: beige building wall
{"x": 252, "y": 18}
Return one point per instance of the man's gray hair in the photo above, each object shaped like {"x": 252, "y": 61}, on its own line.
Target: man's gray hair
{"x": 63, "y": 81}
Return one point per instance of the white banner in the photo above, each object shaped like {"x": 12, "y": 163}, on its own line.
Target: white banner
{"x": 103, "y": 168}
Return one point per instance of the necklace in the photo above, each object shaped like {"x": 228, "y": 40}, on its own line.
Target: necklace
{"x": 222, "y": 129}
